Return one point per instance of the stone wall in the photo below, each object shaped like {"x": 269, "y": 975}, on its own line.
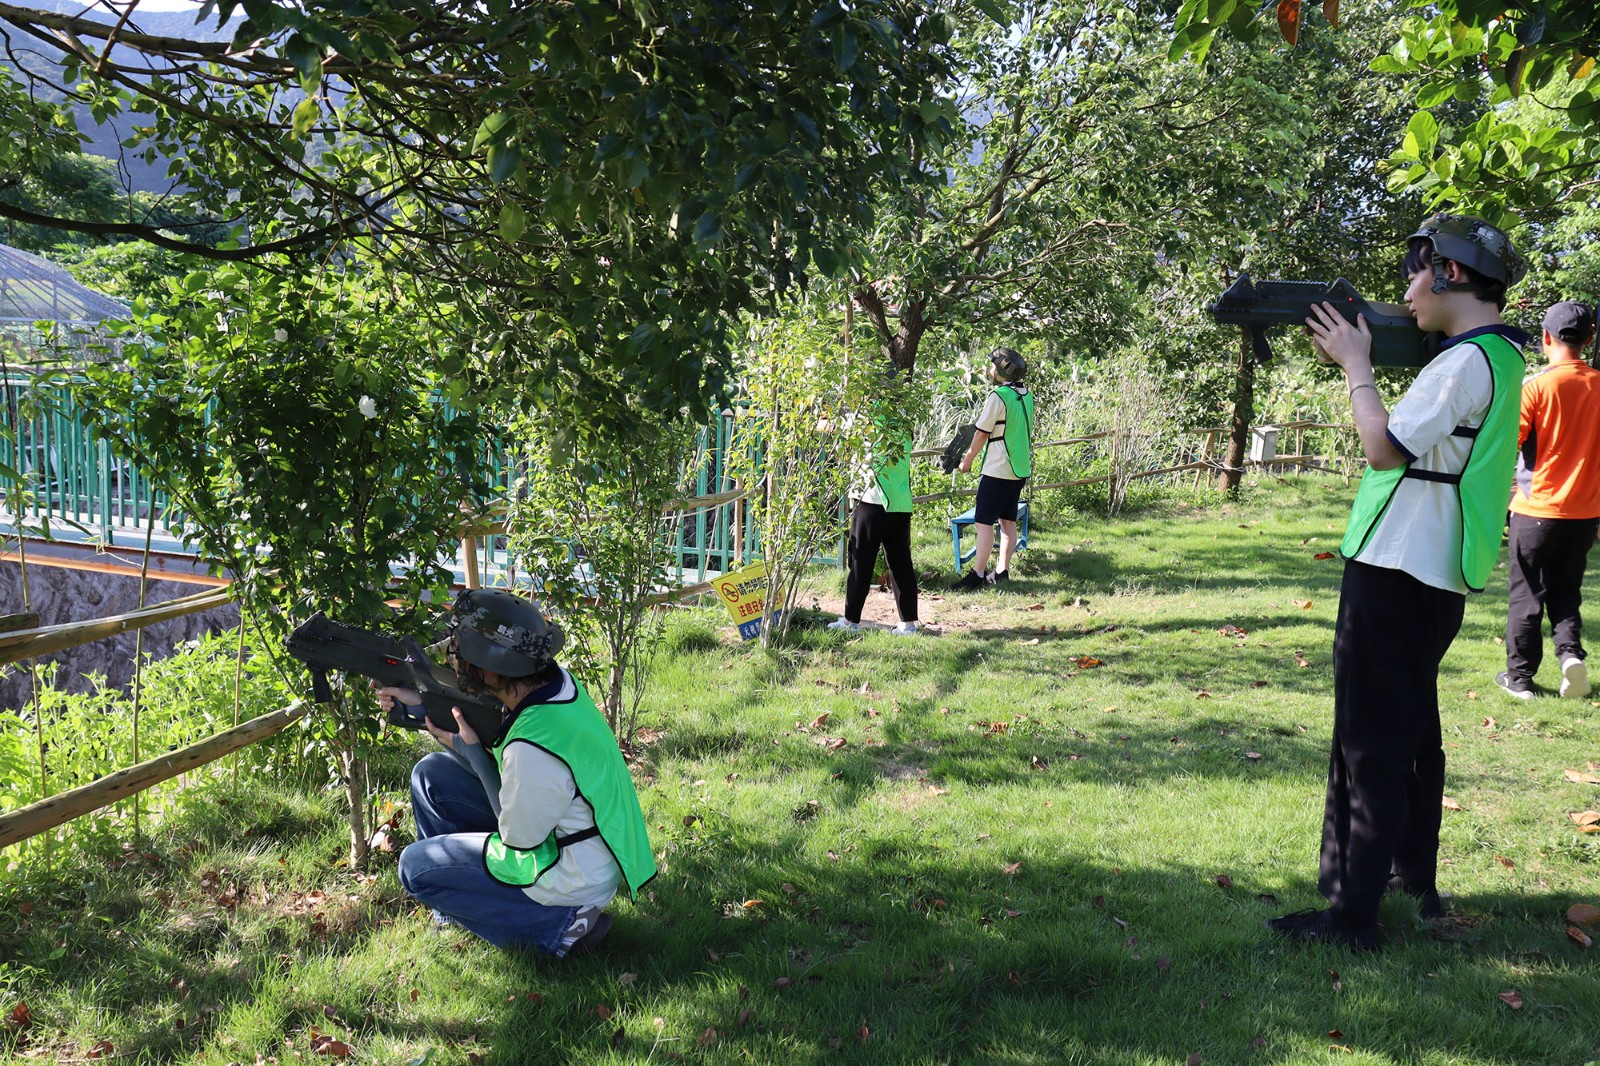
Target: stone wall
{"x": 58, "y": 595}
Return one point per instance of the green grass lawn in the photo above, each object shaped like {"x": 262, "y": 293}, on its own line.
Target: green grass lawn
{"x": 1050, "y": 835}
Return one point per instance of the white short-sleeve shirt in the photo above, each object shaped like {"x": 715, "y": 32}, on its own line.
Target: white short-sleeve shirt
{"x": 992, "y": 420}
{"x": 1420, "y": 532}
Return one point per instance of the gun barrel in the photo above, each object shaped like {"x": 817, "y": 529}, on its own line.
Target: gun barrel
{"x": 1256, "y": 305}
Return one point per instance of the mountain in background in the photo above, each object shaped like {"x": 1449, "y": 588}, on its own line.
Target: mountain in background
{"x": 106, "y": 139}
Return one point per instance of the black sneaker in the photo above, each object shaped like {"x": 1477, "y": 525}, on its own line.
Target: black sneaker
{"x": 999, "y": 576}
{"x": 1513, "y": 685}
{"x": 1429, "y": 906}
{"x": 1319, "y": 927}
{"x": 968, "y": 581}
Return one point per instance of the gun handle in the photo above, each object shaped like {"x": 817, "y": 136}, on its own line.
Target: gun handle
{"x": 320, "y": 690}
{"x": 1259, "y": 345}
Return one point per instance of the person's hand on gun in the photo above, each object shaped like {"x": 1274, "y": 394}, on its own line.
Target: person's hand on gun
{"x": 1336, "y": 340}
{"x": 393, "y": 696}
{"x": 464, "y": 736}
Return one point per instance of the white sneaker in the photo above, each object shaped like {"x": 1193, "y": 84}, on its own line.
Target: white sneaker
{"x": 844, "y": 624}
{"x": 1574, "y": 677}
{"x": 905, "y": 629}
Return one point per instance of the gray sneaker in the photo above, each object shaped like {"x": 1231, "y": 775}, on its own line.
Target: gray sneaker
{"x": 1513, "y": 685}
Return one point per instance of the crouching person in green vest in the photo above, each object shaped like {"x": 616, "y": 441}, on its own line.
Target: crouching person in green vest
{"x": 523, "y": 838}
{"x": 1424, "y": 530}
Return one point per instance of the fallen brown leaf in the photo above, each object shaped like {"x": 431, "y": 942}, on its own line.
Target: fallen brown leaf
{"x": 744, "y": 1018}
{"x": 1335, "y": 1034}
{"x": 820, "y": 720}
{"x": 1223, "y": 881}
{"x": 1583, "y": 913}
{"x": 1579, "y": 937}
{"x": 1489, "y": 723}
{"x": 627, "y": 978}
{"x": 603, "y": 1011}
{"x": 1087, "y": 662}
{"x": 1449, "y": 804}
{"x": 1012, "y": 868}
{"x": 1301, "y": 661}
{"x": 709, "y": 1037}
{"x": 1202, "y": 695}
{"x": 1034, "y": 607}
{"x": 1304, "y": 605}
{"x": 1511, "y": 998}
{"x": 1323, "y": 555}
{"x": 20, "y": 1017}
{"x": 782, "y": 982}
{"x": 1252, "y": 755}
{"x": 1586, "y": 817}
{"x": 104, "y": 1049}
{"x": 327, "y": 1045}
{"x": 1579, "y": 777}
{"x": 1507, "y": 863}
{"x": 863, "y": 1034}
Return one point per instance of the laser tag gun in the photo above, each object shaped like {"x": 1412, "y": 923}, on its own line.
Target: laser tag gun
{"x": 397, "y": 662}
{"x": 1257, "y": 305}
{"x": 957, "y": 448}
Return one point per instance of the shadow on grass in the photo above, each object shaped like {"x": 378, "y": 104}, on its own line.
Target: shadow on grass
{"x": 939, "y": 960}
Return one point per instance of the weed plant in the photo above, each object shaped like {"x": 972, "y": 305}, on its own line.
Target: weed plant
{"x": 1050, "y": 835}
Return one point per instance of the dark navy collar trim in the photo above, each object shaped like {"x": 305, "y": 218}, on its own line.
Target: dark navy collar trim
{"x": 1510, "y": 333}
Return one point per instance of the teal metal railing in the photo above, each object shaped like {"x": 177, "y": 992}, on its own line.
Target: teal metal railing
{"x": 77, "y": 490}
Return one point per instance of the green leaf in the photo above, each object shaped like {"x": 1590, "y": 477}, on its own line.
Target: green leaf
{"x": 513, "y": 221}
{"x": 708, "y": 228}
{"x": 1422, "y": 134}
{"x": 306, "y": 114}
{"x": 489, "y": 129}
{"x": 995, "y": 10}
{"x": 1435, "y": 93}
{"x": 504, "y": 161}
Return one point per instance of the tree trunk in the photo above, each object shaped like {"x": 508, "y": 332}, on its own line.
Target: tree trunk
{"x": 355, "y": 789}
{"x": 1244, "y": 412}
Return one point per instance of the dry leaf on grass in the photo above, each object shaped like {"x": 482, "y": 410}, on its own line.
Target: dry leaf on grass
{"x": 1583, "y": 914}
{"x": 1449, "y": 804}
{"x": 1507, "y": 863}
{"x": 1581, "y": 778}
{"x": 1511, "y": 998}
{"x": 1579, "y": 937}
{"x": 327, "y": 1045}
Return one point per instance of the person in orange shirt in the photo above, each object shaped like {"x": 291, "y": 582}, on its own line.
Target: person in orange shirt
{"x": 1555, "y": 506}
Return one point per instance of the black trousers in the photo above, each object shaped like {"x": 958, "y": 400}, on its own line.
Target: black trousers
{"x": 1547, "y": 557}
{"x": 872, "y": 527}
{"x": 1386, "y": 770}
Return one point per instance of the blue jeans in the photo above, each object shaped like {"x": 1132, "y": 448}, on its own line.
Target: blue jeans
{"x": 444, "y": 868}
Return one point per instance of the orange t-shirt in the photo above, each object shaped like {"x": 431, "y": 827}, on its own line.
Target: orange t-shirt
{"x": 1558, "y": 470}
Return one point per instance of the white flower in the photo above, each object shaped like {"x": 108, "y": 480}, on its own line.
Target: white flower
{"x": 368, "y": 407}
{"x": 280, "y": 335}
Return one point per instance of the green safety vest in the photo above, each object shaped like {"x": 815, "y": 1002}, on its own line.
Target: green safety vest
{"x": 575, "y": 732}
{"x": 1480, "y": 489}
{"x": 1019, "y": 430}
{"x": 894, "y": 479}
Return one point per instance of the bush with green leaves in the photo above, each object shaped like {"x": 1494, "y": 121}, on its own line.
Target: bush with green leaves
{"x": 589, "y": 519}
{"x": 313, "y": 445}
{"x": 816, "y": 411}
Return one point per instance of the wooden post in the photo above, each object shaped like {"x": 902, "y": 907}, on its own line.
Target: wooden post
{"x": 469, "y": 551}
{"x": 48, "y": 813}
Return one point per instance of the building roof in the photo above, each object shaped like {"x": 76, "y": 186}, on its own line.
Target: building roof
{"x": 34, "y": 289}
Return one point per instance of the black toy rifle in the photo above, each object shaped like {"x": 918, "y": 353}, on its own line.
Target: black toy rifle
{"x": 1256, "y": 305}
{"x": 399, "y": 662}
{"x": 956, "y": 450}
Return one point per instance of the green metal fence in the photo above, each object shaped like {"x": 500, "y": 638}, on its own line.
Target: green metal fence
{"x": 78, "y": 491}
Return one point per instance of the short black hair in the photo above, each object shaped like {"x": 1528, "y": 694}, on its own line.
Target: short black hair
{"x": 1419, "y": 257}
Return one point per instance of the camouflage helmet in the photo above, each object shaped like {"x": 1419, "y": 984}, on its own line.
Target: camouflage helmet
{"x": 1473, "y": 243}
{"x": 497, "y": 630}
{"x": 1008, "y": 364}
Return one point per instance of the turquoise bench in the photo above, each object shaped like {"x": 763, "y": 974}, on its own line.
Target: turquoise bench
{"x": 961, "y": 521}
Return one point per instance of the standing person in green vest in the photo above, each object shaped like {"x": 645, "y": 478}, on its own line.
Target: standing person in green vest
{"x": 881, "y": 517}
{"x": 1424, "y": 531}
{"x": 523, "y": 838}
{"x": 1007, "y": 421}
